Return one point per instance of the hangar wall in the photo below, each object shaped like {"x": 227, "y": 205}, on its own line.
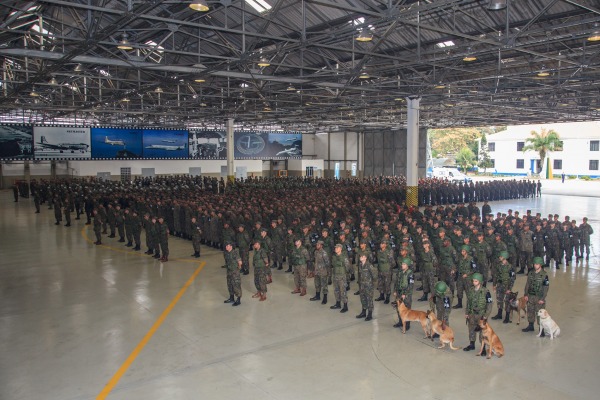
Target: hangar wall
{"x": 385, "y": 152}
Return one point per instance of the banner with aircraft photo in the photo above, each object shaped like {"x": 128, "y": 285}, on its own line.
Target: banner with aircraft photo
{"x": 165, "y": 144}
{"x": 16, "y": 142}
{"x": 116, "y": 143}
{"x": 207, "y": 144}
{"x": 267, "y": 145}
{"x": 61, "y": 143}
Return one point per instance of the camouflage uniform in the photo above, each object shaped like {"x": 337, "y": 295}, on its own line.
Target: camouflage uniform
{"x": 448, "y": 258}
{"x": 503, "y": 282}
{"x": 243, "y": 244}
{"x": 428, "y": 265}
{"x": 479, "y": 304}
{"x": 536, "y": 289}
{"x": 234, "y": 280}
{"x": 466, "y": 266}
{"x": 340, "y": 266}
{"x": 526, "y": 250}
{"x": 196, "y": 237}
{"x": 482, "y": 252}
{"x": 385, "y": 263}
{"x": 163, "y": 239}
{"x": 298, "y": 260}
{"x": 260, "y": 262}
{"x": 442, "y": 304}
{"x": 367, "y": 277}
{"x": 404, "y": 286}
{"x": 585, "y": 231}
{"x": 322, "y": 267}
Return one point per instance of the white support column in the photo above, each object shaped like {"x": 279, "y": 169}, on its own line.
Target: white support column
{"x": 230, "y": 147}
{"x": 412, "y": 151}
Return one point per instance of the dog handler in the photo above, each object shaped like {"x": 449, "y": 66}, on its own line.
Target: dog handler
{"x": 536, "y": 290}
{"x": 479, "y": 305}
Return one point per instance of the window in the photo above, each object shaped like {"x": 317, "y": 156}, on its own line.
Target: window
{"x": 593, "y": 165}
{"x": 520, "y": 164}
{"x": 594, "y": 145}
{"x": 492, "y": 146}
{"x": 557, "y": 164}
{"x": 520, "y": 146}
{"x": 492, "y": 163}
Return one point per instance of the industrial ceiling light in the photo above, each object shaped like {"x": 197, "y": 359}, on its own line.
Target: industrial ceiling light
{"x": 440, "y": 85}
{"x": 364, "y": 36}
{"x": 263, "y": 62}
{"x": 53, "y": 82}
{"x": 363, "y": 74}
{"x": 78, "y": 68}
{"x": 470, "y": 56}
{"x": 125, "y": 100}
{"x": 124, "y": 43}
{"x": 290, "y": 88}
{"x": 198, "y": 5}
{"x": 543, "y": 72}
{"x": 158, "y": 90}
{"x": 199, "y": 80}
{"x": 496, "y": 5}
{"x": 34, "y": 93}
{"x": 595, "y": 35}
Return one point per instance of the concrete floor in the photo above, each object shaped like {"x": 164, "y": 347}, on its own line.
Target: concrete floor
{"x": 71, "y": 314}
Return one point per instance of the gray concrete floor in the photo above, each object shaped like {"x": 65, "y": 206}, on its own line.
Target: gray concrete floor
{"x": 71, "y": 313}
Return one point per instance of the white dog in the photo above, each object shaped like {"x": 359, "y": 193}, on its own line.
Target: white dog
{"x": 547, "y": 324}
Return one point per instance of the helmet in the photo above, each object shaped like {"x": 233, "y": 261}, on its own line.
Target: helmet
{"x": 504, "y": 254}
{"x": 477, "y": 276}
{"x": 407, "y": 261}
{"x": 440, "y": 287}
{"x": 538, "y": 260}
{"x": 465, "y": 247}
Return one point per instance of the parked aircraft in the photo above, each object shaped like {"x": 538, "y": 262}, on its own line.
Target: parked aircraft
{"x": 82, "y": 147}
{"x": 292, "y": 151}
{"x": 161, "y": 147}
{"x": 116, "y": 142}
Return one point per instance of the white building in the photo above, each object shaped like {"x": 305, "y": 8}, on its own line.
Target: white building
{"x": 580, "y": 155}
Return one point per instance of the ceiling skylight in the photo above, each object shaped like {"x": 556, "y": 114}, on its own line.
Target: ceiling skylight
{"x": 259, "y": 5}
{"x": 448, "y": 43}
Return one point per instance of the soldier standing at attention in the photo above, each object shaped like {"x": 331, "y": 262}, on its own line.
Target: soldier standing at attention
{"x": 536, "y": 290}
{"x": 363, "y": 249}
{"x": 479, "y": 305}
{"x": 154, "y": 237}
{"x": 243, "y": 245}
{"x": 482, "y": 252}
{"x": 233, "y": 261}
{"x": 526, "y": 249}
{"x": 97, "y": 227}
{"x": 267, "y": 245}
{"x": 110, "y": 214}
{"x": 322, "y": 264}
{"x": 464, "y": 271}
{"x": 146, "y": 223}
{"x": 128, "y": 228}
{"x": 36, "y": 200}
{"x": 196, "y": 237}
{"x": 385, "y": 263}
{"x": 119, "y": 222}
{"x": 136, "y": 230}
{"x": 366, "y": 279}
{"x": 428, "y": 265}
{"x": 585, "y": 230}
{"x": 340, "y": 266}
{"x": 57, "y": 210}
{"x": 15, "y": 189}
{"x": 260, "y": 262}
{"x": 163, "y": 239}
{"x": 503, "y": 283}
{"x": 67, "y": 210}
{"x": 441, "y": 302}
{"x": 299, "y": 258}
{"x": 403, "y": 289}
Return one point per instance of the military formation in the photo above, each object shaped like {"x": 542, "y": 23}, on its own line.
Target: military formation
{"x": 351, "y": 236}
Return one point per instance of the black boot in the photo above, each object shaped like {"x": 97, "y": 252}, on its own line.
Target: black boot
{"x": 407, "y": 326}
{"x": 420, "y": 288}
{"x": 543, "y": 334}
{"x": 499, "y": 315}
{"x": 229, "y": 300}
{"x": 196, "y": 254}
{"x": 347, "y": 286}
{"x": 157, "y": 255}
{"x": 280, "y": 267}
{"x": 317, "y": 297}
{"x": 507, "y": 318}
{"x": 387, "y": 299}
{"x": 381, "y": 297}
{"x": 521, "y": 271}
{"x": 137, "y": 248}
{"x": 352, "y": 277}
{"x": 343, "y": 310}
{"x": 459, "y": 304}
{"x": 529, "y": 328}
{"x": 483, "y": 352}
{"x": 423, "y": 298}
{"x": 336, "y": 306}
{"x": 289, "y": 269}
{"x": 357, "y": 293}
{"x": 324, "y": 301}
{"x": 129, "y": 244}
{"x": 362, "y": 314}
{"x": 237, "y": 302}
{"x": 399, "y": 323}
{"x": 369, "y": 316}
{"x": 470, "y": 347}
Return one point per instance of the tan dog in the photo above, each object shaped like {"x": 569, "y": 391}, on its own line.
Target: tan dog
{"x": 490, "y": 339}
{"x": 547, "y": 324}
{"x": 446, "y": 333}
{"x": 408, "y": 315}
{"x": 517, "y": 304}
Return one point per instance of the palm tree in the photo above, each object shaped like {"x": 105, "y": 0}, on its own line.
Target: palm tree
{"x": 465, "y": 158}
{"x": 542, "y": 143}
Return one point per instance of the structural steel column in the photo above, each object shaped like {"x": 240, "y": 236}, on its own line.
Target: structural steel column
{"x": 230, "y": 146}
{"x": 412, "y": 151}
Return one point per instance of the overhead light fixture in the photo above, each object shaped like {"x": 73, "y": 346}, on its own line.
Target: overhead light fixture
{"x": 203, "y": 104}
{"x": 53, "y": 82}
{"x": 543, "y": 72}
{"x": 440, "y": 85}
{"x": 267, "y": 109}
{"x": 34, "y": 93}
{"x": 263, "y": 62}
{"x": 363, "y": 74}
{"x": 470, "y": 56}
{"x": 290, "y": 88}
{"x": 158, "y": 90}
{"x": 595, "y": 36}
{"x": 125, "y": 100}
{"x": 399, "y": 99}
{"x": 199, "y": 80}
{"x": 364, "y": 36}
{"x": 124, "y": 43}
{"x": 496, "y": 5}
{"x": 199, "y": 5}
{"x": 78, "y": 68}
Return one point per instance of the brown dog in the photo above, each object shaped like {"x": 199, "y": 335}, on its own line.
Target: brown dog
{"x": 408, "y": 315}
{"x": 446, "y": 333}
{"x": 490, "y": 339}
{"x": 517, "y": 304}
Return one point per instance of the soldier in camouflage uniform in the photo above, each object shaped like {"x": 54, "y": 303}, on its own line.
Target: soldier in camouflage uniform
{"x": 120, "y": 223}
{"x": 366, "y": 278}
{"x": 97, "y": 226}
{"x": 363, "y": 249}
{"x": 299, "y": 259}
{"x": 162, "y": 231}
{"x": 322, "y": 267}
{"x": 503, "y": 283}
{"x": 278, "y": 238}
{"x": 233, "y": 261}
{"x": 525, "y": 249}
{"x": 243, "y": 244}
{"x": 536, "y": 290}
{"x": 566, "y": 250}
{"x": 403, "y": 288}
{"x": 429, "y": 264}
{"x": 136, "y": 230}
{"x": 154, "y": 237}
{"x": 340, "y": 266}
{"x": 552, "y": 245}
{"x": 482, "y": 252}
{"x": 466, "y": 266}
{"x": 479, "y": 305}
{"x": 110, "y": 215}
{"x": 539, "y": 242}
{"x": 267, "y": 245}
{"x": 585, "y": 230}
{"x": 146, "y": 224}
{"x": 196, "y": 236}
{"x": 260, "y": 262}
{"x": 441, "y": 302}
{"x": 385, "y": 264}
{"x": 128, "y": 228}
{"x": 448, "y": 259}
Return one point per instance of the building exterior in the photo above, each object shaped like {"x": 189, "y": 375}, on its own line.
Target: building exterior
{"x": 580, "y": 155}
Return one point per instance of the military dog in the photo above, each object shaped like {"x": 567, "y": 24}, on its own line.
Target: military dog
{"x": 444, "y": 331}
{"x": 490, "y": 339}
{"x": 517, "y": 304}
{"x": 408, "y": 315}
{"x": 547, "y": 324}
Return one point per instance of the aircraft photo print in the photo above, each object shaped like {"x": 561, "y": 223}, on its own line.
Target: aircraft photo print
{"x": 16, "y": 142}
{"x": 64, "y": 143}
{"x": 116, "y": 143}
{"x": 165, "y": 144}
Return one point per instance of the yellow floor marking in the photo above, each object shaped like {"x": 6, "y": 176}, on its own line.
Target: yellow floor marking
{"x": 130, "y": 252}
{"x": 125, "y": 366}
